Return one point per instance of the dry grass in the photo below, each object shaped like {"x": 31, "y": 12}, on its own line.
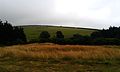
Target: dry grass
{"x": 46, "y": 51}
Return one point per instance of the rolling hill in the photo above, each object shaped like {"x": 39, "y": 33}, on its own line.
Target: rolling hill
{"x": 32, "y": 31}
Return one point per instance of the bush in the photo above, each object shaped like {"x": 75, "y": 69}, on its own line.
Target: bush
{"x": 79, "y": 39}
{"x": 106, "y": 41}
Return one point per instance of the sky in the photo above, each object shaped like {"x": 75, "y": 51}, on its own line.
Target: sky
{"x": 74, "y": 13}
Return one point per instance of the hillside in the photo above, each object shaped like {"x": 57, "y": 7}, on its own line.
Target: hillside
{"x": 32, "y": 31}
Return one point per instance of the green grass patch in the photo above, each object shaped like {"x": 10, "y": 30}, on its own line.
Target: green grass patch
{"x": 32, "y": 32}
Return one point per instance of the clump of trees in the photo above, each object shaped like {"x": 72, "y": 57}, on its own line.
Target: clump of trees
{"x": 109, "y": 36}
{"x": 112, "y": 32}
{"x": 11, "y": 34}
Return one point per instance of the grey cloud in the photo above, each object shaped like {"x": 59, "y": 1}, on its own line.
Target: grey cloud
{"x": 21, "y": 12}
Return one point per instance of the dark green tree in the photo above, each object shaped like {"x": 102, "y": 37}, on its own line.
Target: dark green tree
{"x": 59, "y": 34}
{"x": 59, "y": 38}
{"x": 44, "y": 36}
{"x": 19, "y": 35}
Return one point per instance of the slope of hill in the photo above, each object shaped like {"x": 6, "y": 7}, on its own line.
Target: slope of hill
{"x": 32, "y": 31}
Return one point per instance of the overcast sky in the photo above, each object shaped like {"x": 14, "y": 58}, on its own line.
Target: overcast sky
{"x": 80, "y": 13}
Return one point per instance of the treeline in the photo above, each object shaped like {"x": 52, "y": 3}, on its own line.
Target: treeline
{"x": 109, "y": 36}
{"x": 11, "y": 34}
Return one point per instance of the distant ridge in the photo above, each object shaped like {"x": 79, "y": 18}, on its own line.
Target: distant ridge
{"x": 60, "y": 26}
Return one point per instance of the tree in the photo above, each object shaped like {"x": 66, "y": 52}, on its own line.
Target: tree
{"x": 59, "y": 34}
{"x": 19, "y": 35}
{"x": 59, "y": 38}
{"x": 44, "y": 36}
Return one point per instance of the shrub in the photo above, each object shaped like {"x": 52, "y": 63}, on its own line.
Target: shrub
{"x": 106, "y": 41}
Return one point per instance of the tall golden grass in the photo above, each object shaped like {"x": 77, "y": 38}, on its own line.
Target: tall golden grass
{"x": 59, "y": 51}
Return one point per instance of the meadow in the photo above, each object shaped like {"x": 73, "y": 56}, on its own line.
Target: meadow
{"x": 33, "y": 32}
{"x": 48, "y": 57}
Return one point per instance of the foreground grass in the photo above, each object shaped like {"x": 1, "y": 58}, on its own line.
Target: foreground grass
{"x": 32, "y": 32}
{"x": 59, "y": 58}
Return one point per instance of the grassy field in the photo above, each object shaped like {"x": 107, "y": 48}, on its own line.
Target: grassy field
{"x": 49, "y": 57}
{"x": 32, "y": 32}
